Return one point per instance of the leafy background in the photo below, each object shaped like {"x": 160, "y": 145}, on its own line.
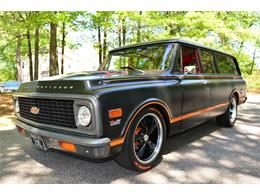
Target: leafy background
{"x": 32, "y": 34}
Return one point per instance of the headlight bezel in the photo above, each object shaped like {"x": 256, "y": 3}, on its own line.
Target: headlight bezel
{"x": 91, "y": 128}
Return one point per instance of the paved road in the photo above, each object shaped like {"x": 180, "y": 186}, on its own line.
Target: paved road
{"x": 206, "y": 154}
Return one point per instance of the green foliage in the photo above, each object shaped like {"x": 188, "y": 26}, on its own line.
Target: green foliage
{"x": 253, "y": 82}
{"x": 14, "y": 23}
{"x": 232, "y": 32}
{"x": 7, "y": 73}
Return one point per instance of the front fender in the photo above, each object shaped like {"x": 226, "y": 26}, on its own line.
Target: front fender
{"x": 167, "y": 95}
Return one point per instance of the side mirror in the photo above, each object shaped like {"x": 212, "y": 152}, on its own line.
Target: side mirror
{"x": 190, "y": 69}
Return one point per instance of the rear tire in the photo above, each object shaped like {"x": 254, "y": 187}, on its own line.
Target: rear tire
{"x": 144, "y": 141}
{"x": 229, "y": 118}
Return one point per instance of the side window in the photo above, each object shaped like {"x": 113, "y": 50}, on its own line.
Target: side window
{"x": 178, "y": 69}
{"x": 226, "y": 64}
{"x": 190, "y": 60}
{"x": 207, "y": 62}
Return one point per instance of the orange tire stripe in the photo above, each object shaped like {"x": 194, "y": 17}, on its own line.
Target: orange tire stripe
{"x": 121, "y": 140}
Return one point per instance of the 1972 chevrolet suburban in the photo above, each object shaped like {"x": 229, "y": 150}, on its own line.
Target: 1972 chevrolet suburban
{"x": 142, "y": 94}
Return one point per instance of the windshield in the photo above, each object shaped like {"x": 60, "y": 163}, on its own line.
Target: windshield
{"x": 151, "y": 57}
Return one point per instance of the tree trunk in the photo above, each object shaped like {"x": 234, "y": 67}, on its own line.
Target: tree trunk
{"x": 104, "y": 44}
{"x": 63, "y": 42}
{"x": 54, "y": 67}
{"x": 119, "y": 34}
{"x": 123, "y": 32}
{"x": 166, "y": 16}
{"x": 170, "y": 25}
{"x": 99, "y": 45}
{"x": 29, "y": 45}
{"x": 253, "y": 62}
{"x": 171, "y": 32}
{"x": 18, "y": 72}
{"x": 36, "y": 53}
{"x": 139, "y": 29}
{"x": 240, "y": 47}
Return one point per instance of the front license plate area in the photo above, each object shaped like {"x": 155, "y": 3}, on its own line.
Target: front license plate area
{"x": 38, "y": 142}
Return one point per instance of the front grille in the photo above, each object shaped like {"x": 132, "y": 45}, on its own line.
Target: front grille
{"x": 53, "y": 112}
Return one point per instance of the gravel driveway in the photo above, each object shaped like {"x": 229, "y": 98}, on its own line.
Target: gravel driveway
{"x": 205, "y": 154}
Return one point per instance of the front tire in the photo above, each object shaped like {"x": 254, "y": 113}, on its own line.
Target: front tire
{"x": 229, "y": 118}
{"x": 144, "y": 141}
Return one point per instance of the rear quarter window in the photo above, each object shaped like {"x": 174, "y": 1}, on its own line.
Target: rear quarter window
{"x": 207, "y": 61}
{"x": 226, "y": 64}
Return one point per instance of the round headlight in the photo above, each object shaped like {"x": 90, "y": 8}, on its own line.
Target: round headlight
{"x": 17, "y": 109}
{"x": 84, "y": 116}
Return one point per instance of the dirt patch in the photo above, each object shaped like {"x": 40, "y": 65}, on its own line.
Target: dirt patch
{"x": 6, "y": 109}
{"x": 6, "y": 105}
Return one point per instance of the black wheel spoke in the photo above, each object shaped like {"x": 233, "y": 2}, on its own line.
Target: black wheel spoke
{"x": 147, "y": 138}
{"x": 140, "y": 153}
{"x": 152, "y": 128}
{"x": 143, "y": 125}
{"x": 151, "y": 146}
{"x": 144, "y": 122}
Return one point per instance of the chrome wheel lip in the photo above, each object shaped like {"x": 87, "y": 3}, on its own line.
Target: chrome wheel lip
{"x": 233, "y": 110}
{"x": 158, "y": 146}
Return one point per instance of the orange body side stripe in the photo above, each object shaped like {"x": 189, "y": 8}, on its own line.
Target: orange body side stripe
{"x": 121, "y": 140}
{"x": 189, "y": 115}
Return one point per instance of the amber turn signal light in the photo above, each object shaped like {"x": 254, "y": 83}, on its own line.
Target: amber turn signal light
{"x": 67, "y": 146}
{"x": 115, "y": 113}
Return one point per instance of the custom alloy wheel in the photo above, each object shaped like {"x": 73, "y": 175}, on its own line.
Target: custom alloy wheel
{"x": 148, "y": 138}
{"x": 144, "y": 141}
{"x": 233, "y": 110}
{"x": 228, "y": 119}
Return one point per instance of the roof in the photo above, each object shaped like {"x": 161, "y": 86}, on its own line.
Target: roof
{"x": 167, "y": 41}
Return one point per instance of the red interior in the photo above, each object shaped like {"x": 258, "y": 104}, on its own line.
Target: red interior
{"x": 190, "y": 57}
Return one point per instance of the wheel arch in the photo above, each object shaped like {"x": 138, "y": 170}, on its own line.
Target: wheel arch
{"x": 166, "y": 116}
{"x": 153, "y": 102}
{"x": 236, "y": 94}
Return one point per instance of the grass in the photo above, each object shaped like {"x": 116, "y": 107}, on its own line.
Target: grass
{"x": 253, "y": 82}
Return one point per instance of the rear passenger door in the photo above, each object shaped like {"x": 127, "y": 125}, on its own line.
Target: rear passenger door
{"x": 227, "y": 73}
{"x": 217, "y": 68}
{"x": 195, "y": 91}
{"x": 209, "y": 70}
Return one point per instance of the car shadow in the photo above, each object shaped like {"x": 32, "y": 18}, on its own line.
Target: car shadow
{"x": 180, "y": 140}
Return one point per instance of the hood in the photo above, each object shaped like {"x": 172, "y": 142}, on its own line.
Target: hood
{"x": 88, "y": 82}
{"x": 103, "y": 75}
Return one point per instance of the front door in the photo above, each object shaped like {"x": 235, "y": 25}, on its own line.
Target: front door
{"x": 195, "y": 90}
